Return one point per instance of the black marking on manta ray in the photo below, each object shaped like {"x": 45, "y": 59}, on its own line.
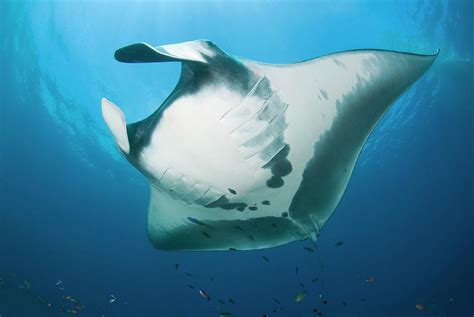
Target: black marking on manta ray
{"x": 266, "y": 202}
{"x": 324, "y": 93}
{"x": 223, "y": 202}
{"x": 275, "y": 182}
{"x": 318, "y": 170}
{"x": 280, "y": 166}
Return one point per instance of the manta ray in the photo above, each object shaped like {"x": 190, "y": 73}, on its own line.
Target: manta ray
{"x": 245, "y": 155}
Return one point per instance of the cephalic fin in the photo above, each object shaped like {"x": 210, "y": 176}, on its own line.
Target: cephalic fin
{"x": 115, "y": 120}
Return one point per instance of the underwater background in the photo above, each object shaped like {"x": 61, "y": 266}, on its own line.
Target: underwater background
{"x": 73, "y": 211}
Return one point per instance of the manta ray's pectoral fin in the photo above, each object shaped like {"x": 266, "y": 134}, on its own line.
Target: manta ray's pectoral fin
{"x": 115, "y": 120}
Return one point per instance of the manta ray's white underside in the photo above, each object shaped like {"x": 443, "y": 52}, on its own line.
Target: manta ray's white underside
{"x": 245, "y": 155}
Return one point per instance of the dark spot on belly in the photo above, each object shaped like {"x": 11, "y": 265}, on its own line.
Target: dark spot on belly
{"x": 324, "y": 93}
{"x": 275, "y": 182}
{"x": 219, "y": 202}
{"x": 284, "y": 214}
{"x": 280, "y": 166}
{"x": 223, "y": 202}
{"x": 232, "y": 191}
{"x": 266, "y": 202}
{"x": 238, "y": 206}
{"x": 253, "y": 208}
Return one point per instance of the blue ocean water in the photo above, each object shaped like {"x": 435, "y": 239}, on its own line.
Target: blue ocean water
{"x": 72, "y": 209}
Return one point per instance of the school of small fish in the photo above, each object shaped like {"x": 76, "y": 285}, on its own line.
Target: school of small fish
{"x": 73, "y": 306}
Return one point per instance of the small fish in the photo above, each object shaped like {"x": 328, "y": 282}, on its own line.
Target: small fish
{"x": 69, "y": 299}
{"x": 221, "y": 301}
{"x": 226, "y": 315}
{"x": 274, "y": 225}
{"x": 231, "y": 301}
{"x": 28, "y": 285}
{"x": 232, "y": 191}
{"x": 276, "y": 301}
{"x": 370, "y": 279}
{"x": 190, "y": 286}
{"x": 362, "y": 299}
{"x": 112, "y": 295}
{"x": 176, "y": 266}
{"x": 112, "y": 300}
{"x": 204, "y": 294}
{"x": 73, "y": 311}
{"x": 309, "y": 249}
{"x": 315, "y": 279}
{"x": 339, "y": 243}
{"x": 344, "y": 303}
{"x": 232, "y": 249}
{"x": 265, "y": 258}
{"x": 206, "y": 234}
{"x": 300, "y": 296}
{"x": 302, "y": 285}
{"x": 251, "y": 237}
{"x": 296, "y": 271}
{"x": 325, "y": 302}
{"x": 212, "y": 279}
{"x": 61, "y": 288}
{"x": 188, "y": 274}
{"x": 420, "y": 307}
{"x": 59, "y": 282}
